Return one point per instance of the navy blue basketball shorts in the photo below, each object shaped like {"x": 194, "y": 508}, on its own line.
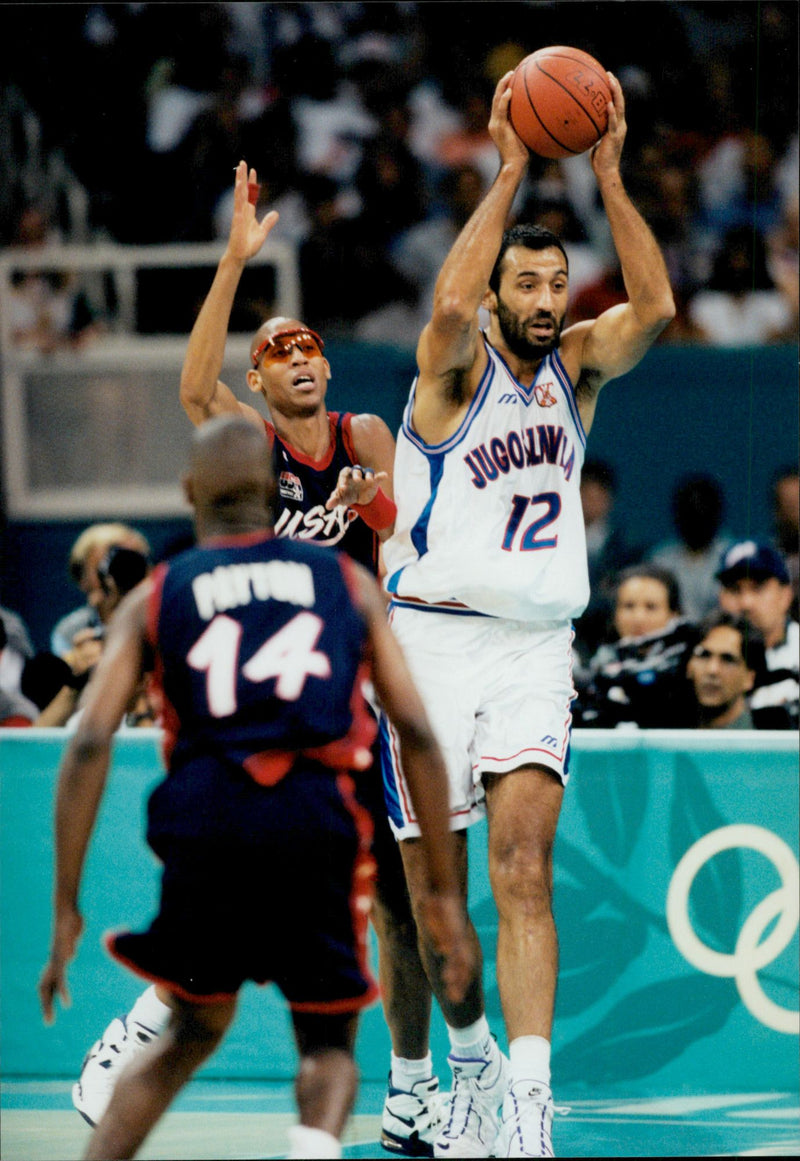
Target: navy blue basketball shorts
{"x": 258, "y": 883}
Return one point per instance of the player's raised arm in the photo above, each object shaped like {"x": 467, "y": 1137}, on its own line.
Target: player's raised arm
{"x": 449, "y": 352}
{"x": 616, "y": 341}
{"x": 201, "y": 392}
{"x": 82, "y": 779}
{"x": 368, "y": 484}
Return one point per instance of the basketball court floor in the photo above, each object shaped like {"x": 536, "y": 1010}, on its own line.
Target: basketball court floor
{"x": 244, "y": 1120}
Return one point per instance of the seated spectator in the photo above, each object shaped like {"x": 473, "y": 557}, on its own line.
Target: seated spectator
{"x": 697, "y": 510}
{"x": 608, "y": 552}
{"x": 28, "y": 680}
{"x": 741, "y": 305}
{"x": 756, "y": 585}
{"x": 119, "y": 571}
{"x": 85, "y": 555}
{"x": 640, "y": 680}
{"x": 722, "y": 671}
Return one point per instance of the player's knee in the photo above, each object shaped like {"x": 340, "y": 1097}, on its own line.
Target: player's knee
{"x": 521, "y": 876}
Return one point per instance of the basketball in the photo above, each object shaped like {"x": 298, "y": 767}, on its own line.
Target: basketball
{"x": 559, "y": 99}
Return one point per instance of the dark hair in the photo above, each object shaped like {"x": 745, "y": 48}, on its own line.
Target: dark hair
{"x": 653, "y": 572}
{"x": 753, "y": 646}
{"x": 532, "y": 238}
{"x": 124, "y": 566}
{"x": 599, "y": 472}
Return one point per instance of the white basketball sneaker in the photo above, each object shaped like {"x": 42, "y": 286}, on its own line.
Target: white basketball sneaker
{"x": 103, "y": 1063}
{"x": 412, "y": 1119}
{"x": 479, "y": 1087}
{"x": 525, "y": 1129}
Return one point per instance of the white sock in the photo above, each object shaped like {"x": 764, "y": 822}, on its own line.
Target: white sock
{"x": 150, "y": 1011}
{"x": 307, "y": 1142}
{"x": 406, "y": 1073}
{"x": 530, "y": 1059}
{"x": 473, "y": 1041}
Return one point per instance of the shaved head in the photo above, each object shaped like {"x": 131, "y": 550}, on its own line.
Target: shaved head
{"x": 274, "y": 326}
{"x": 230, "y": 481}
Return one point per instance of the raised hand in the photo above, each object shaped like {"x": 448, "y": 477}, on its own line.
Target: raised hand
{"x": 247, "y": 234}
{"x": 502, "y": 132}
{"x": 606, "y": 153}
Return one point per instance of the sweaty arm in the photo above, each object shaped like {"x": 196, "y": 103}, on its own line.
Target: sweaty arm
{"x": 82, "y": 778}
{"x": 594, "y": 352}
{"x": 202, "y": 393}
{"x": 450, "y": 354}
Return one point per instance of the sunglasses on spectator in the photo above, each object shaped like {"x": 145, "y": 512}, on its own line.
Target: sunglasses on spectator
{"x": 278, "y": 348}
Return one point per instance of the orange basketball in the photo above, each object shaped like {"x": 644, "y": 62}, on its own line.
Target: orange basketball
{"x": 559, "y": 99}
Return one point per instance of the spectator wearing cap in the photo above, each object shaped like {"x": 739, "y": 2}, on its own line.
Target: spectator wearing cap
{"x": 756, "y": 585}
{"x": 723, "y": 670}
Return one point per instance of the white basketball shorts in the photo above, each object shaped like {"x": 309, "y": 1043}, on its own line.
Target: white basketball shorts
{"x": 498, "y": 696}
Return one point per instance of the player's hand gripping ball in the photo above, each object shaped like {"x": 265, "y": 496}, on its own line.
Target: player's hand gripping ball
{"x": 559, "y": 101}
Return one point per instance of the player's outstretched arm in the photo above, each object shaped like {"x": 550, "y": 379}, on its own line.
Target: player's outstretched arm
{"x": 450, "y": 341}
{"x": 81, "y": 782}
{"x": 442, "y": 909}
{"x": 617, "y": 340}
{"x": 201, "y": 392}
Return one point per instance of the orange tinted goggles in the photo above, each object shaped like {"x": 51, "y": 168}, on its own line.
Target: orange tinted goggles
{"x": 278, "y": 348}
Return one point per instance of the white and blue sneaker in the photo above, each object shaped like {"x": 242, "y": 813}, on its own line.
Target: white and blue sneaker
{"x": 104, "y": 1062}
{"x": 479, "y": 1086}
{"x": 525, "y": 1128}
{"x": 412, "y": 1119}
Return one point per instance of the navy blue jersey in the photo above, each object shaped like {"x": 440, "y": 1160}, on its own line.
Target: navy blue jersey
{"x": 260, "y": 655}
{"x": 305, "y": 484}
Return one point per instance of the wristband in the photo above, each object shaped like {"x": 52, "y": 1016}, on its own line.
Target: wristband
{"x": 380, "y": 513}
{"x": 78, "y": 681}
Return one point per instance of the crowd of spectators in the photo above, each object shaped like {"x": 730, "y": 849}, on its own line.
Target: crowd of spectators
{"x": 367, "y": 124}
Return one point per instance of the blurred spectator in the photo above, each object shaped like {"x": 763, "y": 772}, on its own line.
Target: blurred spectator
{"x": 608, "y": 552}
{"x": 470, "y": 143}
{"x": 118, "y": 572}
{"x": 343, "y": 276}
{"x": 756, "y": 585}
{"x": 419, "y": 252}
{"x": 601, "y": 293}
{"x": 85, "y": 555}
{"x": 640, "y": 679}
{"x": 738, "y": 184}
{"x": 698, "y": 507}
{"x": 741, "y": 305}
{"x": 15, "y": 650}
{"x": 47, "y": 308}
{"x": 783, "y": 259}
{"x": 722, "y": 671}
{"x": 785, "y": 505}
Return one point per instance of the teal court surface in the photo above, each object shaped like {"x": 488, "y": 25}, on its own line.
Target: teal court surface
{"x": 677, "y": 898}
{"x": 245, "y": 1120}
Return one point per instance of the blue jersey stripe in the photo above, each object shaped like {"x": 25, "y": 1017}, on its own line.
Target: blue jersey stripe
{"x": 419, "y": 533}
{"x": 478, "y": 400}
{"x": 566, "y": 386}
{"x": 390, "y": 793}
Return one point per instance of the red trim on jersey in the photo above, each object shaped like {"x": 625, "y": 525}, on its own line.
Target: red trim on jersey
{"x": 270, "y": 766}
{"x": 168, "y": 716}
{"x": 301, "y": 457}
{"x": 347, "y": 436}
{"x": 361, "y": 892}
{"x": 170, "y": 985}
{"x": 238, "y": 539}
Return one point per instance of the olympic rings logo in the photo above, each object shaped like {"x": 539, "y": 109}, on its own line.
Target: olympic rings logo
{"x": 750, "y": 955}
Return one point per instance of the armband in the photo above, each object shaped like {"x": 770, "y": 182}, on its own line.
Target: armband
{"x": 380, "y": 513}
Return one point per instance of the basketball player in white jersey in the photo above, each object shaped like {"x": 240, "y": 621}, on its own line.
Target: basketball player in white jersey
{"x": 486, "y": 570}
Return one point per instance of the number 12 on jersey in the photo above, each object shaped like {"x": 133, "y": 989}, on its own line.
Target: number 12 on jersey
{"x": 530, "y": 540}
{"x": 290, "y": 656}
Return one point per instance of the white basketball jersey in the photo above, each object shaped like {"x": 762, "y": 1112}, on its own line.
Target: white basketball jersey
{"x": 491, "y": 518}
